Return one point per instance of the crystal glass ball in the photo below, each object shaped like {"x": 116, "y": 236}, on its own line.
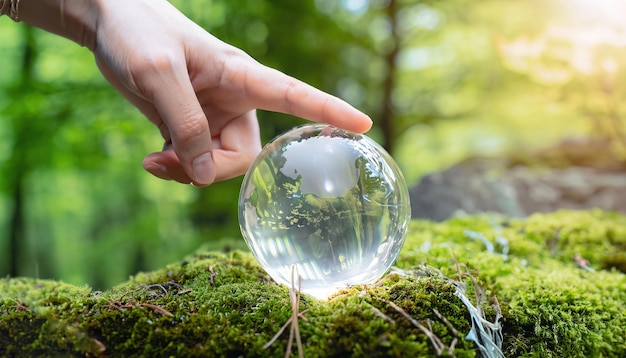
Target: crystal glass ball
{"x": 330, "y": 205}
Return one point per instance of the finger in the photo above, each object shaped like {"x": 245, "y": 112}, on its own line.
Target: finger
{"x": 237, "y": 146}
{"x": 176, "y": 102}
{"x": 165, "y": 165}
{"x": 272, "y": 90}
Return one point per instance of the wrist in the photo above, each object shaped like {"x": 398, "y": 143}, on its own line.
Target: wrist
{"x": 73, "y": 19}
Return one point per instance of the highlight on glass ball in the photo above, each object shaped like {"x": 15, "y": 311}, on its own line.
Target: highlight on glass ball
{"x": 330, "y": 205}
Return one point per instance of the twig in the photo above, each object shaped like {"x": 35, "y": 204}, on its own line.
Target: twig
{"x": 378, "y": 313}
{"x": 158, "y": 309}
{"x": 294, "y": 332}
{"x": 212, "y": 276}
{"x": 458, "y": 269}
{"x": 294, "y": 295}
{"x": 156, "y": 285}
{"x": 446, "y": 322}
{"x": 583, "y": 263}
{"x": 436, "y": 341}
{"x": 280, "y": 331}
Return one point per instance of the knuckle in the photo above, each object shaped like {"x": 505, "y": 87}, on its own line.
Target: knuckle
{"x": 155, "y": 63}
{"x": 145, "y": 71}
{"x": 293, "y": 94}
{"x": 192, "y": 126}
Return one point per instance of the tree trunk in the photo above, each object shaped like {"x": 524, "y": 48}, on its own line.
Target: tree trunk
{"x": 387, "y": 110}
{"x": 18, "y": 161}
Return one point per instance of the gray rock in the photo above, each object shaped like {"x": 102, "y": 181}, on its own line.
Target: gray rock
{"x": 490, "y": 185}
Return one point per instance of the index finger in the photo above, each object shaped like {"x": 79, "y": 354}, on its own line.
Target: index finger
{"x": 272, "y": 90}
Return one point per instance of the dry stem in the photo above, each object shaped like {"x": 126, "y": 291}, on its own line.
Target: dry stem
{"x": 294, "y": 332}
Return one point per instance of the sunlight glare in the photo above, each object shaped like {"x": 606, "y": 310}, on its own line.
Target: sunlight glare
{"x": 585, "y": 39}
{"x": 607, "y": 12}
{"x": 356, "y": 6}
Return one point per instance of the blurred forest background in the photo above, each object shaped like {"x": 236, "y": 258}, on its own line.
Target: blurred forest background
{"x": 443, "y": 81}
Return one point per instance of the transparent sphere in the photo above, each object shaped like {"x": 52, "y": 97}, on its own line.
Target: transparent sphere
{"x": 331, "y": 203}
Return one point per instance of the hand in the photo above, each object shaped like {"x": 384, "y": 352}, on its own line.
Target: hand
{"x": 200, "y": 92}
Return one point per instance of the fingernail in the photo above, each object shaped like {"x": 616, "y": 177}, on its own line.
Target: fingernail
{"x": 203, "y": 169}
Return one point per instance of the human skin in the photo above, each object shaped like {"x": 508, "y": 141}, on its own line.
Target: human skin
{"x": 200, "y": 92}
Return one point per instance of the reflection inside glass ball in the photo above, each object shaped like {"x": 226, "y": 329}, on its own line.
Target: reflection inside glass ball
{"x": 329, "y": 203}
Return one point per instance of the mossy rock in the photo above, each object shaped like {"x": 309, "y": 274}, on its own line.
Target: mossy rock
{"x": 548, "y": 285}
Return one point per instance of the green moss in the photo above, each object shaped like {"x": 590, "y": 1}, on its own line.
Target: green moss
{"x": 225, "y": 305}
{"x": 551, "y": 305}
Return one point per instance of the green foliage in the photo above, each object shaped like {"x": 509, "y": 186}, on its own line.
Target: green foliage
{"x": 225, "y": 305}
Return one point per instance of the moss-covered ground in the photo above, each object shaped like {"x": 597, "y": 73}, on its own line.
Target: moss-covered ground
{"x": 549, "y": 285}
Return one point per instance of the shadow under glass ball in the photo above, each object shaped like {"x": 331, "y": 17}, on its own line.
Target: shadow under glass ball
{"x": 331, "y": 203}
